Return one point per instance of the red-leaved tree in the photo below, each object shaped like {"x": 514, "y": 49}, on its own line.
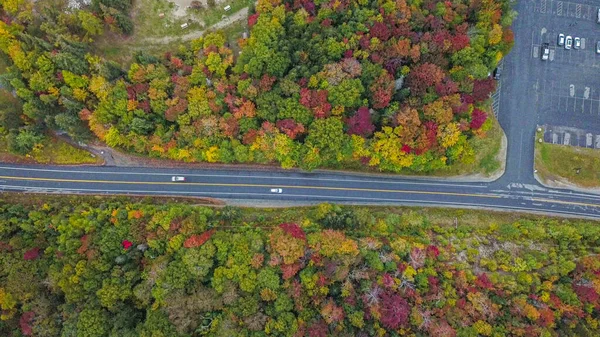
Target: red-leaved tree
{"x": 252, "y": 19}
{"x": 198, "y": 240}
{"x": 25, "y": 323}
{"x": 483, "y": 88}
{"x": 394, "y": 310}
{"x": 382, "y": 90}
{"x": 316, "y": 100}
{"x": 423, "y": 76}
{"x": 293, "y": 230}
{"x": 290, "y": 127}
{"x": 32, "y": 254}
{"x": 586, "y": 294}
{"x": 478, "y": 117}
{"x": 360, "y": 124}
{"x": 380, "y": 31}
{"x": 318, "y": 329}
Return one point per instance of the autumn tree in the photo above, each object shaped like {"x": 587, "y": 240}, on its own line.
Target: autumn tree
{"x": 360, "y": 123}
{"x": 424, "y": 76}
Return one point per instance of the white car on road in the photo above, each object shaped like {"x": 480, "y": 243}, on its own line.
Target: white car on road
{"x": 177, "y": 178}
{"x": 276, "y": 190}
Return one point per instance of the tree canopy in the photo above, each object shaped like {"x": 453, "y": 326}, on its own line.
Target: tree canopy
{"x": 113, "y": 267}
{"x": 311, "y": 75}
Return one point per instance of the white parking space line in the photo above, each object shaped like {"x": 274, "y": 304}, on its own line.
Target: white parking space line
{"x": 564, "y": 9}
{"x": 559, "y": 8}
{"x": 543, "y": 6}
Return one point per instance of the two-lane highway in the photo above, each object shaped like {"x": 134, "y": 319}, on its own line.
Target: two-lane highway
{"x": 302, "y": 187}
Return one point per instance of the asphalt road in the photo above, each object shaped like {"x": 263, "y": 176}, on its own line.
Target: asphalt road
{"x": 517, "y": 114}
{"x": 516, "y": 190}
{"x": 296, "y": 187}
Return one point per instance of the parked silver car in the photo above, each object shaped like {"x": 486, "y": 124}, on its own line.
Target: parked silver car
{"x": 576, "y": 43}
{"x": 598, "y": 47}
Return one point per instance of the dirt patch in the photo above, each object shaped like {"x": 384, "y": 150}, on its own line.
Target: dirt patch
{"x": 181, "y": 6}
{"x": 237, "y": 16}
{"x": 114, "y": 157}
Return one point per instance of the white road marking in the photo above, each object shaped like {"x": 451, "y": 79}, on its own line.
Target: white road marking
{"x": 543, "y": 7}
{"x": 559, "y": 8}
{"x": 572, "y": 90}
{"x": 566, "y": 140}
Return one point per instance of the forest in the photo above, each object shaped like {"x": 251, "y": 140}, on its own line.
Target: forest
{"x": 386, "y": 85}
{"x": 83, "y": 267}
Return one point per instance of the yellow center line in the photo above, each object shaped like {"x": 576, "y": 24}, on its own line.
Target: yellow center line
{"x": 294, "y": 187}
{"x": 251, "y": 185}
{"x": 565, "y": 202}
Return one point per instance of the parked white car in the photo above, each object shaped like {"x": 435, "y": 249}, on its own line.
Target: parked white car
{"x": 276, "y": 190}
{"x": 561, "y": 39}
{"x": 576, "y": 43}
{"x": 568, "y": 42}
{"x": 177, "y": 178}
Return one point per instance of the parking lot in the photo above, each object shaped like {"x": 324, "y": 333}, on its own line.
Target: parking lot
{"x": 571, "y": 136}
{"x": 580, "y": 10}
{"x": 566, "y": 87}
